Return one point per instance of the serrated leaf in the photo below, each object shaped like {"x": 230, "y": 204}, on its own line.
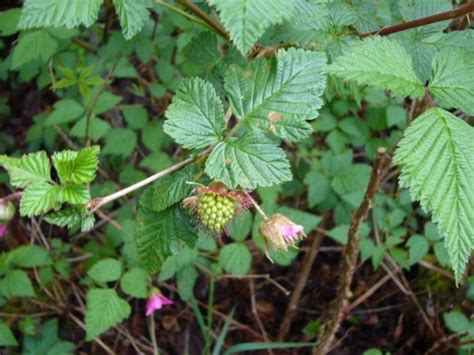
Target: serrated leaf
{"x": 69, "y": 217}
{"x": 59, "y": 13}
{"x": 249, "y": 161}
{"x": 45, "y": 341}
{"x": 76, "y": 194}
{"x": 195, "y": 119}
{"x": 105, "y": 309}
{"x": 279, "y": 97}
{"x": 36, "y": 45}
{"x": 247, "y": 20}
{"x": 106, "y": 270}
{"x": 16, "y": 283}
{"x": 135, "y": 283}
{"x": 77, "y": 167}
{"x": 132, "y": 15}
{"x": 456, "y": 321}
{"x": 30, "y": 256}
{"x": 160, "y": 234}
{"x": 65, "y": 111}
{"x": 29, "y": 169}
{"x": 380, "y": 62}
{"x": 235, "y": 258}
{"x": 439, "y": 171}
{"x": 452, "y": 82}
{"x": 171, "y": 189}
{"x": 40, "y": 198}
{"x": 6, "y": 336}
{"x": 120, "y": 141}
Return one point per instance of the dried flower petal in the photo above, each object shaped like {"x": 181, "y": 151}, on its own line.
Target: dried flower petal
{"x": 280, "y": 232}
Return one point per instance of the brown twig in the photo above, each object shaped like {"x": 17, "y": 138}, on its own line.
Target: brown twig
{"x": 253, "y": 302}
{"x": 443, "y": 16}
{"x": 205, "y": 17}
{"x": 300, "y": 283}
{"x": 348, "y": 263}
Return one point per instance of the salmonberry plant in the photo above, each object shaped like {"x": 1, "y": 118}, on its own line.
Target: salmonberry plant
{"x": 216, "y": 114}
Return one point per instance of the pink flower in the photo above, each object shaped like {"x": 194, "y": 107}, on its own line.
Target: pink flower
{"x": 3, "y": 230}
{"x": 156, "y": 302}
{"x": 280, "y": 232}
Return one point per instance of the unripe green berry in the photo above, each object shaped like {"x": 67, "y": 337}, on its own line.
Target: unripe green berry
{"x": 215, "y": 211}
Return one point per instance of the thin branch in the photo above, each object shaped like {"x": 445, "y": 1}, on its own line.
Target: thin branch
{"x": 300, "y": 283}
{"x": 443, "y": 16}
{"x": 348, "y": 263}
{"x": 218, "y": 28}
{"x": 90, "y": 108}
{"x": 97, "y": 203}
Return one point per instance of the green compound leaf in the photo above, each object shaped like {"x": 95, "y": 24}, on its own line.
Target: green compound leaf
{"x": 29, "y": 169}
{"x": 33, "y": 46}
{"x": 247, "y": 20}
{"x": 235, "y": 258}
{"x": 6, "y": 336}
{"x": 135, "y": 283}
{"x": 171, "y": 189}
{"x": 105, "y": 309}
{"x": 132, "y": 15}
{"x": 76, "y": 194}
{"x": 59, "y": 13}
{"x": 380, "y": 62}
{"x": 40, "y": 198}
{"x": 16, "y": 283}
{"x": 77, "y": 167}
{"x": 69, "y": 217}
{"x": 249, "y": 161}
{"x": 160, "y": 234}
{"x": 195, "y": 119}
{"x": 452, "y": 83}
{"x": 279, "y": 96}
{"x": 438, "y": 168}
{"x": 106, "y": 270}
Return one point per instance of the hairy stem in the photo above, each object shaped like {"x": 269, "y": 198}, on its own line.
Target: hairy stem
{"x": 443, "y": 16}
{"x": 97, "y": 203}
{"x": 348, "y": 263}
{"x": 183, "y": 13}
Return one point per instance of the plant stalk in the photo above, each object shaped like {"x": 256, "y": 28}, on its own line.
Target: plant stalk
{"x": 349, "y": 261}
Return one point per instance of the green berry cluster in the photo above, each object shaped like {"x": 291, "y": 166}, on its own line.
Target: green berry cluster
{"x": 215, "y": 211}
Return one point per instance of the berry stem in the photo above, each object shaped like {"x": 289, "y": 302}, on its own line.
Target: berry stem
{"x": 256, "y": 205}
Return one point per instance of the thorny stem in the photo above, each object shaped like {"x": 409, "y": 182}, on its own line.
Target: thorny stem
{"x": 448, "y": 15}
{"x": 348, "y": 263}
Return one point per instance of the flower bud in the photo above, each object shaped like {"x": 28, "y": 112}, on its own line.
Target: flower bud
{"x": 7, "y": 211}
{"x": 156, "y": 301}
{"x": 280, "y": 232}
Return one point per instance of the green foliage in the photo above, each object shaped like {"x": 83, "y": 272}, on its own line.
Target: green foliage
{"x": 451, "y": 84}
{"x": 33, "y": 46}
{"x": 381, "y": 62}
{"x": 105, "y": 271}
{"x": 196, "y": 116}
{"x": 6, "y": 336}
{"x": 105, "y": 309}
{"x": 279, "y": 97}
{"x": 132, "y": 15}
{"x": 235, "y": 258}
{"x": 134, "y": 283}
{"x": 46, "y": 341}
{"x": 171, "y": 189}
{"x": 77, "y": 167}
{"x": 54, "y": 13}
{"x": 249, "y": 161}
{"x": 159, "y": 233}
{"x": 439, "y": 173}
{"x": 247, "y": 20}
{"x": 27, "y": 170}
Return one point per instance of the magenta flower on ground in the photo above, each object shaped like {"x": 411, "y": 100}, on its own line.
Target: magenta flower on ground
{"x": 280, "y": 232}
{"x": 156, "y": 302}
{"x": 3, "y": 230}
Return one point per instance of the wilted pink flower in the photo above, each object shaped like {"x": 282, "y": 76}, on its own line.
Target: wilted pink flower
{"x": 3, "y": 230}
{"x": 156, "y": 302}
{"x": 280, "y": 232}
